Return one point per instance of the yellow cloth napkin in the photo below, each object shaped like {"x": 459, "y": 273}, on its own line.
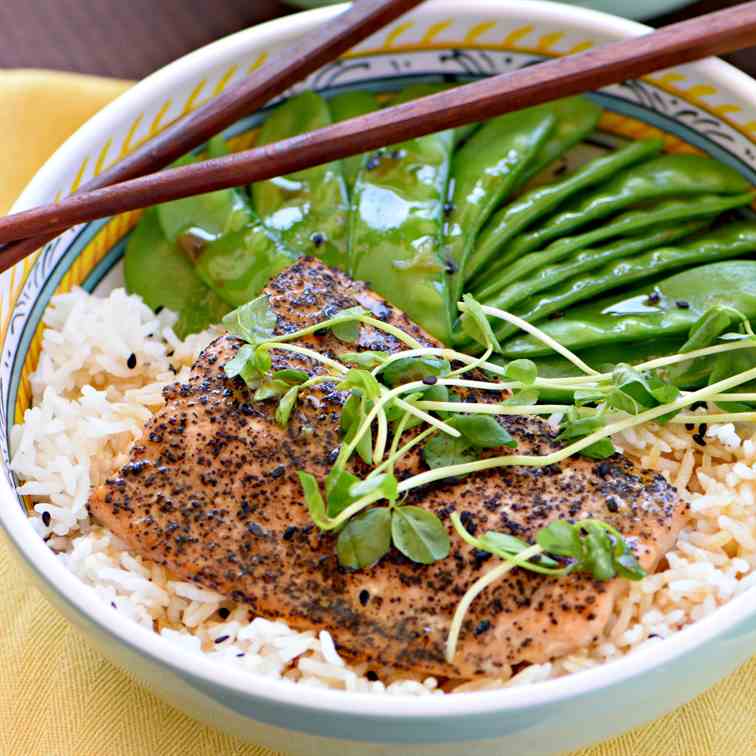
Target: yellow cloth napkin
{"x": 60, "y": 697}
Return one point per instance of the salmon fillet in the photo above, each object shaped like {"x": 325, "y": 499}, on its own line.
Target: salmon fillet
{"x": 211, "y": 492}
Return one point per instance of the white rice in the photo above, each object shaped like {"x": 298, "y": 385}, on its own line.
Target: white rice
{"x": 89, "y": 406}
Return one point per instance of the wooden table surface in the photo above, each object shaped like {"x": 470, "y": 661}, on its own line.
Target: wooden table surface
{"x": 131, "y": 39}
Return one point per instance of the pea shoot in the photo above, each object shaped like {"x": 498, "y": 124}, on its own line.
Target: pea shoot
{"x": 411, "y": 398}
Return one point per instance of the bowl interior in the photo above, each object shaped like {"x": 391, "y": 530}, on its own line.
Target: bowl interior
{"x": 706, "y": 108}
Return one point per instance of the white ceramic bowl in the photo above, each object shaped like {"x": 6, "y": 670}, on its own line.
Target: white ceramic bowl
{"x": 708, "y": 105}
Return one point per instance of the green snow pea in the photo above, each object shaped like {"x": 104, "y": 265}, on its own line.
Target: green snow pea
{"x": 309, "y": 208}
{"x": 162, "y": 274}
{"x": 576, "y": 118}
{"x": 525, "y": 210}
{"x": 587, "y": 260}
{"x": 396, "y": 225}
{"x": 485, "y": 170}
{"x": 631, "y": 222}
{"x": 664, "y": 176}
{"x": 663, "y": 307}
{"x": 239, "y": 264}
{"x": 343, "y": 107}
{"x": 625, "y": 261}
{"x": 204, "y": 217}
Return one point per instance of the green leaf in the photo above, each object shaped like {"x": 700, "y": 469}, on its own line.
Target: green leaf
{"x": 627, "y": 565}
{"x": 263, "y": 359}
{"x": 598, "y": 554}
{"x": 561, "y": 538}
{"x": 636, "y": 391}
{"x": 291, "y": 376}
{"x": 254, "y": 322}
{"x": 365, "y": 539}
{"x": 522, "y": 398}
{"x": 523, "y": 371}
{"x": 443, "y": 450}
{"x": 476, "y": 325}
{"x": 366, "y": 360}
{"x": 573, "y": 426}
{"x": 338, "y": 483}
{"x": 384, "y": 484}
{"x": 482, "y": 431}
{"x": 361, "y": 379}
{"x": 503, "y": 542}
{"x": 419, "y": 534}
{"x": 235, "y": 366}
{"x": 409, "y": 369}
{"x": 349, "y": 330}
{"x": 286, "y": 405}
{"x": 314, "y": 500}
{"x": 269, "y": 389}
{"x": 602, "y": 449}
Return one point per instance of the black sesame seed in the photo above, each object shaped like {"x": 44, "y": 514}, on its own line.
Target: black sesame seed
{"x": 372, "y": 676}
{"x": 481, "y": 556}
{"x": 697, "y": 405}
{"x": 448, "y": 208}
{"x": 277, "y": 471}
{"x": 113, "y": 604}
{"x": 224, "y": 613}
{"x": 364, "y": 597}
{"x": 318, "y": 239}
{"x": 246, "y": 409}
{"x": 239, "y": 656}
{"x": 612, "y": 505}
{"x": 699, "y": 439}
{"x": 430, "y": 380}
{"x": 46, "y": 519}
{"x": 451, "y": 267}
{"x": 483, "y": 626}
{"x": 255, "y": 529}
{"x": 603, "y": 469}
{"x": 396, "y": 154}
{"x": 689, "y": 426}
{"x": 682, "y": 304}
{"x": 373, "y": 162}
{"x": 653, "y": 298}
{"x": 131, "y": 362}
{"x": 702, "y": 428}
{"x": 333, "y": 455}
{"x": 158, "y": 309}
{"x": 221, "y": 638}
{"x": 468, "y": 521}
{"x": 288, "y": 534}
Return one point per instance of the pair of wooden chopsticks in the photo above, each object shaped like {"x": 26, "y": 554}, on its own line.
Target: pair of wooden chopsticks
{"x": 711, "y": 34}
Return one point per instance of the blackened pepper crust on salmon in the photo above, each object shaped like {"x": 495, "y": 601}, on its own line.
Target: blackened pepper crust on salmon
{"x": 211, "y": 492}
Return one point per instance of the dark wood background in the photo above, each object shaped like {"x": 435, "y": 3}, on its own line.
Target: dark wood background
{"x": 131, "y": 38}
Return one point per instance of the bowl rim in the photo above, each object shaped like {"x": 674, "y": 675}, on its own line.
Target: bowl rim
{"x": 316, "y": 700}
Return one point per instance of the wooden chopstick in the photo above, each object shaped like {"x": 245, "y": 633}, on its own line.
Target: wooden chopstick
{"x": 712, "y": 34}
{"x": 282, "y": 69}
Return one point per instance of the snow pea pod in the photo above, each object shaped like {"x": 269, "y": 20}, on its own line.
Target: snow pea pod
{"x": 525, "y": 210}
{"x": 239, "y": 264}
{"x": 576, "y": 118}
{"x": 485, "y": 170}
{"x": 587, "y": 260}
{"x": 501, "y": 275}
{"x": 396, "y": 225}
{"x": 664, "y": 176}
{"x": 203, "y": 217}
{"x": 343, "y": 107}
{"x": 163, "y": 275}
{"x": 627, "y": 262}
{"x": 664, "y": 307}
{"x": 309, "y": 208}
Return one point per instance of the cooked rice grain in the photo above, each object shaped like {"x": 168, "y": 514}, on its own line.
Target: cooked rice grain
{"x": 90, "y": 404}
